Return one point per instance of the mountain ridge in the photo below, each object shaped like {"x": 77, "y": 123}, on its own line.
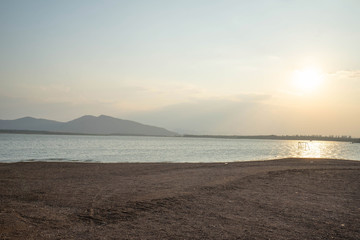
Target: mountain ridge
{"x": 87, "y": 124}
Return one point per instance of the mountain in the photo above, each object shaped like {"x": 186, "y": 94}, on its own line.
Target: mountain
{"x": 102, "y": 125}
{"x": 29, "y": 123}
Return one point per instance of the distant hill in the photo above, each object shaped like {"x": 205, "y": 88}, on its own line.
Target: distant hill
{"x": 101, "y": 125}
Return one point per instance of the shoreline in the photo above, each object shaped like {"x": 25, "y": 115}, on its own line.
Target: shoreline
{"x": 347, "y": 139}
{"x": 290, "y": 198}
{"x": 61, "y": 160}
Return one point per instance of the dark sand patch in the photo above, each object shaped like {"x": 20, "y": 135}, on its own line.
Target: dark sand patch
{"x": 281, "y": 199}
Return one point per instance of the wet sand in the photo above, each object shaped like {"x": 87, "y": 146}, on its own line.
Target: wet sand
{"x": 280, "y": 199}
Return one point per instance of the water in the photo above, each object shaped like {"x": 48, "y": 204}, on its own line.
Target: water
{"x": 19, "y": 147}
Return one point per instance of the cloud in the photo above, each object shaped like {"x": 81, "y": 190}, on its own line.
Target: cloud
{"x": 252, "y": 97}
{"x": 344, "y": 88}
{"x": 345, "y": 74}
{"x": 253, "y": 114}
{"x": 241, "y": 114}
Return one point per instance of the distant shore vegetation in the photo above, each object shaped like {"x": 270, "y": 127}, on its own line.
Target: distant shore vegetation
{"x": 342, "y": 138}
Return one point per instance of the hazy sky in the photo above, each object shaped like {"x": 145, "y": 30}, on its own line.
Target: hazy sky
{"x": 211, "y": 67}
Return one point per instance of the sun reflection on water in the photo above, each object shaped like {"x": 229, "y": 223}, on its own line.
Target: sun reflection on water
{"x": 317, "y": 149}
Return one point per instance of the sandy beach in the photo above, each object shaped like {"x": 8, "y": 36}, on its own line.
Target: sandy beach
{"x": 279, "y": 199}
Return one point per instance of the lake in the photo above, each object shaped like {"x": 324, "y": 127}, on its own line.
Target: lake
{"x": 32, "y": 147}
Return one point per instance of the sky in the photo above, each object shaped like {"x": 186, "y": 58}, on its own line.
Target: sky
{"x": 199, "y": 67}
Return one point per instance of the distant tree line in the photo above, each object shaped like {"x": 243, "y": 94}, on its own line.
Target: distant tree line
{"x": 344, "y": 138}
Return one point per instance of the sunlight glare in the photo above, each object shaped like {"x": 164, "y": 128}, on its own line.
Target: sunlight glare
{"x": 307, "y": 79}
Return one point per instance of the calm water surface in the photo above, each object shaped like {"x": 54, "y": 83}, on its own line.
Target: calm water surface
{"x": 18, "y": 147}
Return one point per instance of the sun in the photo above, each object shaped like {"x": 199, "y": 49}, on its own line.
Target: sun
{"x": 307, "y": 79}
